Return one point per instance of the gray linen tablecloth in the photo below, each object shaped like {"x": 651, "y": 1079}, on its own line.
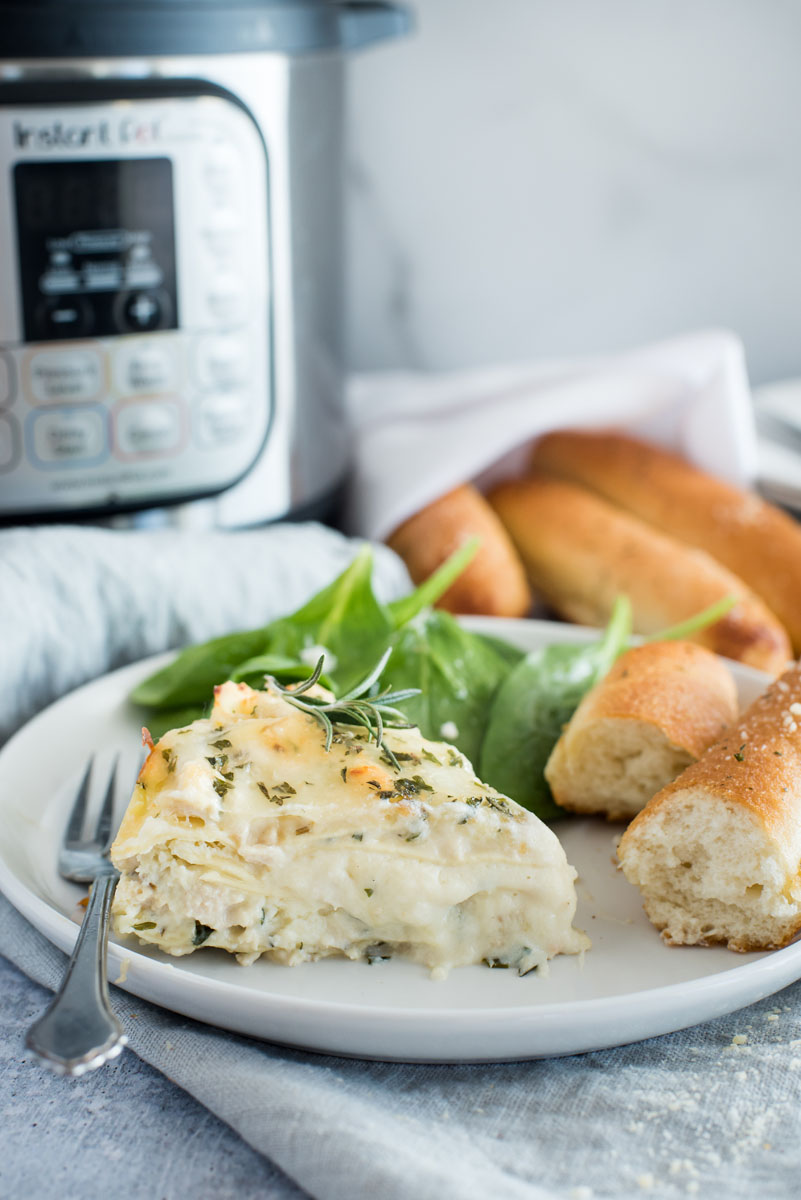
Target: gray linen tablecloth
{"x": 714, "y": 1111}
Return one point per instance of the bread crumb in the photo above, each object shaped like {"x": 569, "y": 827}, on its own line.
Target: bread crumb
{"x": 771, "y": 1016}
{"x": 645, "y": 1181}
{"x": 123, "y": 975}
{"x": 739, "y": 1039}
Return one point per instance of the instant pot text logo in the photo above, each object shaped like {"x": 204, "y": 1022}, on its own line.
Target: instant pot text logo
{"x": 58, "y": 135}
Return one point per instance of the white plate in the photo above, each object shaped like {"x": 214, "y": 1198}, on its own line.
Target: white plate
{"x": 629, "y": 986}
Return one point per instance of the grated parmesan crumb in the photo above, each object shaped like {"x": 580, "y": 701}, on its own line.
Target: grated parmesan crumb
{"x": 123, "y": 975}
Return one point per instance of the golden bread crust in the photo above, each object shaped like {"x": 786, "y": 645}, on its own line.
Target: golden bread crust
{"x": 716, "y": 853}
{"x": 683, "y": 689}
{"x": 582, "y": 552}
{"x": 756, "y": 767}
{"x": 493, "y": 583}
{"x": 754, "y": 539}
{"x": 659, "y": 707}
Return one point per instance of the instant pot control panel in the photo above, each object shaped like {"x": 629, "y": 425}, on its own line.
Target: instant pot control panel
{"x": 134, "y": 302}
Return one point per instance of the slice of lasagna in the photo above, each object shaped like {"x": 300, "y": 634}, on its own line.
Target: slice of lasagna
{"x": 246, "y": 834}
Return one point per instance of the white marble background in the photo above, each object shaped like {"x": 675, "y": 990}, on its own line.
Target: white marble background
{"x": 533, "y": 178}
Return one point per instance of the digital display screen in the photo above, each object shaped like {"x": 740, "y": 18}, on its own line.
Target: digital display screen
{"x": 96, "y": 247}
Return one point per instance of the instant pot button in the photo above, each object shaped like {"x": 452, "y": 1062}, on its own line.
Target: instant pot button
{"x": 221, "y": 171}
{"x": 144, "y": 428}
{"x": 70, "y": 437}
{"x": 142, "y": 312}
{"x": 221, "y": 361}
{"x": 9, "y": 442}
{"x": 225, "y": 246}
{"x": 6, "y": 380}
{"x": 226, "y": 302}
{"x": 222, "y": 419}
{"x": 64, "y": 317}
{"x": 144, "y": 366}
{"x": 64, "y": 376}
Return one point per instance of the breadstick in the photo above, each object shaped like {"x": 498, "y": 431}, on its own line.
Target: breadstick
{"x": 754, "y": 539}
{"x": 581, "y": 553}
{"x": 494, "y": 582}
{"x": 656, "y": 711}
{"x": 717, "y": 853}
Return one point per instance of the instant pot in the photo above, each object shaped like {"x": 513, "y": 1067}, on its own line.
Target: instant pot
{"x": 171, "y": 256}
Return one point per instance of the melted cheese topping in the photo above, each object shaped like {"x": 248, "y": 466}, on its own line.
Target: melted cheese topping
{"x": 244, "y": 833}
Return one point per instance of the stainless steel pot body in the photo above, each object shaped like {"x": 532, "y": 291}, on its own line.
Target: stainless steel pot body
{"x": 246, "y": 383}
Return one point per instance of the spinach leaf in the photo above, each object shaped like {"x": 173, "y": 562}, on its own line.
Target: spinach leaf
{"x": 162, "y": 720}
{"x": 345, "y": 617}
{"x": 190, "y": 677}
{"x": 457, "y": 672}
{"x": 253, "y": 670}
{"x": 401, "y": 611}
{"x": 532, "y": 705}
{"x": 701, "y": 620}
{"x": 509, "y": 653}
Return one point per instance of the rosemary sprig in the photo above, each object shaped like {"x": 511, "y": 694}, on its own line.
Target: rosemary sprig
{"x": 362, "y": 705}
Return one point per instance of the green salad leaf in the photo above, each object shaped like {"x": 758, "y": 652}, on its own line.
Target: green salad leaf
{"x": 430, "y": 590}
{"x": 161, "y": 720}
{"x": 190, "y": 678}
{"x": 345, "y": 619}
{"x": 457, "y": 672}
{"x": 536, "y": 699}
{"x": 694, "y": 624}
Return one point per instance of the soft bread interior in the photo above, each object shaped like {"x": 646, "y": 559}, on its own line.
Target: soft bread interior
{"x": 709, "y": 873}
{"x": 613, "y": 766}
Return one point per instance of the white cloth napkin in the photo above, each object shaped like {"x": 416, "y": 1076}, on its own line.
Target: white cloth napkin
{"x": 418, "y": 435}
{"x": 778, "y": 415}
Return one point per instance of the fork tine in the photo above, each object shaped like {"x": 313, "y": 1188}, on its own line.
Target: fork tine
{"x": 78, "y": 814}
{"x": 103, "y": 831}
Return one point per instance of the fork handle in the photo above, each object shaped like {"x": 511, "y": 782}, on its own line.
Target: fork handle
{"x": 79, "y": 1030}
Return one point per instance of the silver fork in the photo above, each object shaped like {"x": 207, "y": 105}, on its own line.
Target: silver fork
{"x": 79, "y": 1031}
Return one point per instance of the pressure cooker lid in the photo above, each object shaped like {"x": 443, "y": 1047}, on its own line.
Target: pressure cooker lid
{"x": 126, "y": 28}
